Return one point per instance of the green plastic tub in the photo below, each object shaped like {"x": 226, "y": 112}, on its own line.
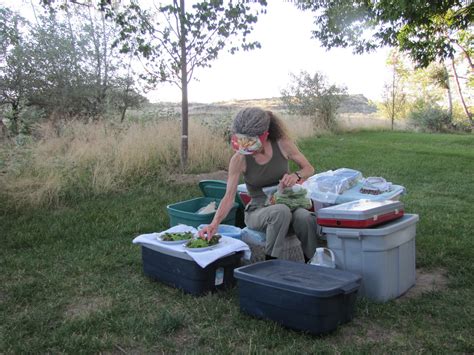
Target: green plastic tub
{"x": 185, "y": 212}
{"x": 216, "y": 189}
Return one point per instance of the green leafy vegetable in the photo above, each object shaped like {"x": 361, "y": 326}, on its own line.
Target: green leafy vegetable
{"x": 173, "y": 237}
{"x": 202, "y": 242}
{"x": 293, "y": 199}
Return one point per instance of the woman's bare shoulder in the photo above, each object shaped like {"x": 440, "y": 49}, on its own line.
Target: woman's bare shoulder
{"x": 287, "y": 147}
{"x": 237, "y": 163}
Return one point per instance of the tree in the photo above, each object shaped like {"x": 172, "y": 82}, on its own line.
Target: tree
{"x": 394, "y": 97}
{"x": 173, "y": 41}
{"x": 424, "y": 29}
{"x": 15, "y": 66}
{"x": 313, "y": 96}
{"x": 440, "y": 77}
{"x": 427, "y": 30}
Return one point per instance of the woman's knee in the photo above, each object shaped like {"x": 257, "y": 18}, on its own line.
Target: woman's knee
{"x": 280, "y": 212}
{"x": 301, "y": 215}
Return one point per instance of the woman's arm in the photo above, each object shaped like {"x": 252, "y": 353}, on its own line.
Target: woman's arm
{"x": 291, "y": 151}
{"x": 236, "y": 167}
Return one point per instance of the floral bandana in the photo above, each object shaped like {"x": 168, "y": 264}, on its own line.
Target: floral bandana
{"x": 247, "y": 144}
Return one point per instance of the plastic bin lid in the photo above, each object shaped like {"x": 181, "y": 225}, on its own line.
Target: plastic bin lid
{"x": 301, "y": 278}
{"x": 360, "y": 209}
{"x": 377, "y": 231}
{"x": 354, "y": 194}
{"x": 216, "y": 189}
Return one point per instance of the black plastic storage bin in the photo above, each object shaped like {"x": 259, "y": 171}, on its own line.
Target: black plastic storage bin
{"x": 299, "y": 296}
{"x": 180, "y": 271}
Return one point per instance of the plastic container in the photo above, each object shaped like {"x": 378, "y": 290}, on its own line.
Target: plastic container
{"x": 323, "y": 257}
{"x": 226, "y": 230}
{"x": 217, "y": 189}
{"x": 181, "y": 271}
{"x": 185, "y": 212}
{"x": 354, "y": 194}
{"x": 296, "y": 295}
{"x": 383, "y": 255}
{"x": 360, "y": 214}
{"x": 253, "y": 236}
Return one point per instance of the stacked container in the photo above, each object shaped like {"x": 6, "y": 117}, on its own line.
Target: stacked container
{"x": 375, "y": 240}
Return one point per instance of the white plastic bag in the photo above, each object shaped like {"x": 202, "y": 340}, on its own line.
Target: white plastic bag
{"x": 210, "y": 208}
{"x": 323, "y": 257}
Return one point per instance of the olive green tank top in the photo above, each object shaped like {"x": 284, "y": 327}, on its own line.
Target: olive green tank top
{"x": 258, "y": 176}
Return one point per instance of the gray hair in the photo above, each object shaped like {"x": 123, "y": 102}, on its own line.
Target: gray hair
{"x": 251, "y": 121}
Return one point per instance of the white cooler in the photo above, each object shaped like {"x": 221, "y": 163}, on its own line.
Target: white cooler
{"x": 384, "y": 256}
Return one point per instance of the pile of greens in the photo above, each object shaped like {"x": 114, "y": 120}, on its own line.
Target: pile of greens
{"x": 203, "y": 242}
{"x": 293, "y": 198}
{"x": 173, "y": 237}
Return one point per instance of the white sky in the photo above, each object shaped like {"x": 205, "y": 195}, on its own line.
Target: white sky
{"x": 285, "y": 35}
{"x": 287, "y": 47}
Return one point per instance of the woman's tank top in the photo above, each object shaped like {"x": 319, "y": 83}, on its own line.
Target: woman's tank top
{"x": 258, "y": 176}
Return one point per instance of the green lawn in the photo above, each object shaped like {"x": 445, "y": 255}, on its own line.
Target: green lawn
{"x": 72, "y": 282}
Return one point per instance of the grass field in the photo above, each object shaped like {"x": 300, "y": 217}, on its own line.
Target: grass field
{"x": 72, "y": 282}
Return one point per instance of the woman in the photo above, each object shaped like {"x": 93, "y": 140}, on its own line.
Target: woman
{"x": 263, "y": 149}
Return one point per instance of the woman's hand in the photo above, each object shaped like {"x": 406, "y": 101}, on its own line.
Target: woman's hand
{"x": 208, "y": 231}
{"x": 288, "y": 180}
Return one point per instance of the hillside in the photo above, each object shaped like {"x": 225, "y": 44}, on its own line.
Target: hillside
{"x": 350, "y": 104}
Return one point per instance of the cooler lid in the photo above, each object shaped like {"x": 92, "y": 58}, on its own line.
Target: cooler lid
{"x": 298, "y": 277}
{"x": 216, "y": 189}
{"x": 362, "y": 209}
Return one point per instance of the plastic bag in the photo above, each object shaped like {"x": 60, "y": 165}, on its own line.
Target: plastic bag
{"x": 269, "y": 191}
{"x": 294, "y": 197}
{"x": 211, "y": 207}
{"x": 327, "y": 186}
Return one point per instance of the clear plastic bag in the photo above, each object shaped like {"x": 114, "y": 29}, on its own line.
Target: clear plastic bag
{"x": 327, "y": 186}
{"x": 294, "y": 197}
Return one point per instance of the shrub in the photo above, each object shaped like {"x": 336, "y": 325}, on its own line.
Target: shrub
{"x": 428, "y": 116}
{"x": 313, "y": 96}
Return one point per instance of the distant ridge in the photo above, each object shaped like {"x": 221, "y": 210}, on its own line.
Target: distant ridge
{"x": 350, "y": 104}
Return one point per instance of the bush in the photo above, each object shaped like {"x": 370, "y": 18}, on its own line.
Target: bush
{"x": 429, "y": 116}
{"x": 313, "y": 96}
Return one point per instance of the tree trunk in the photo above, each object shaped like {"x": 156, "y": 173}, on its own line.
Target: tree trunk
{"x": 122, "y": 116}
{"x": 15, "y": 118}
{"x": 466, "y": 110}
{"x": 184, "y": 89}
{"x": 393, "y": 97}
{"x": 450, "y": 102}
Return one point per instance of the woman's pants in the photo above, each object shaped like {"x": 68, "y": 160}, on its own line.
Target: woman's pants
{"x": 276, "y": 220}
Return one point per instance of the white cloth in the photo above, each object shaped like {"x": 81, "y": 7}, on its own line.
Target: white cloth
{"x": 226, "y": 246}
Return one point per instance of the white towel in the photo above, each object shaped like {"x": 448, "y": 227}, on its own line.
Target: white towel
{"x": 226, "y": 246}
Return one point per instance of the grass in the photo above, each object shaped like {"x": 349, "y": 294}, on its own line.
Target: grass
{"x": 85, "y": 160}
{"x": 72, "y": 282}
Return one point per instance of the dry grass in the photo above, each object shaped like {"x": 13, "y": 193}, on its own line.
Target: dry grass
{"x": 78, "y": 159}
{"x": 83, "y": 159}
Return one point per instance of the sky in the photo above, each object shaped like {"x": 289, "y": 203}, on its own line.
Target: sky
{"x": 287, "y": 47}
